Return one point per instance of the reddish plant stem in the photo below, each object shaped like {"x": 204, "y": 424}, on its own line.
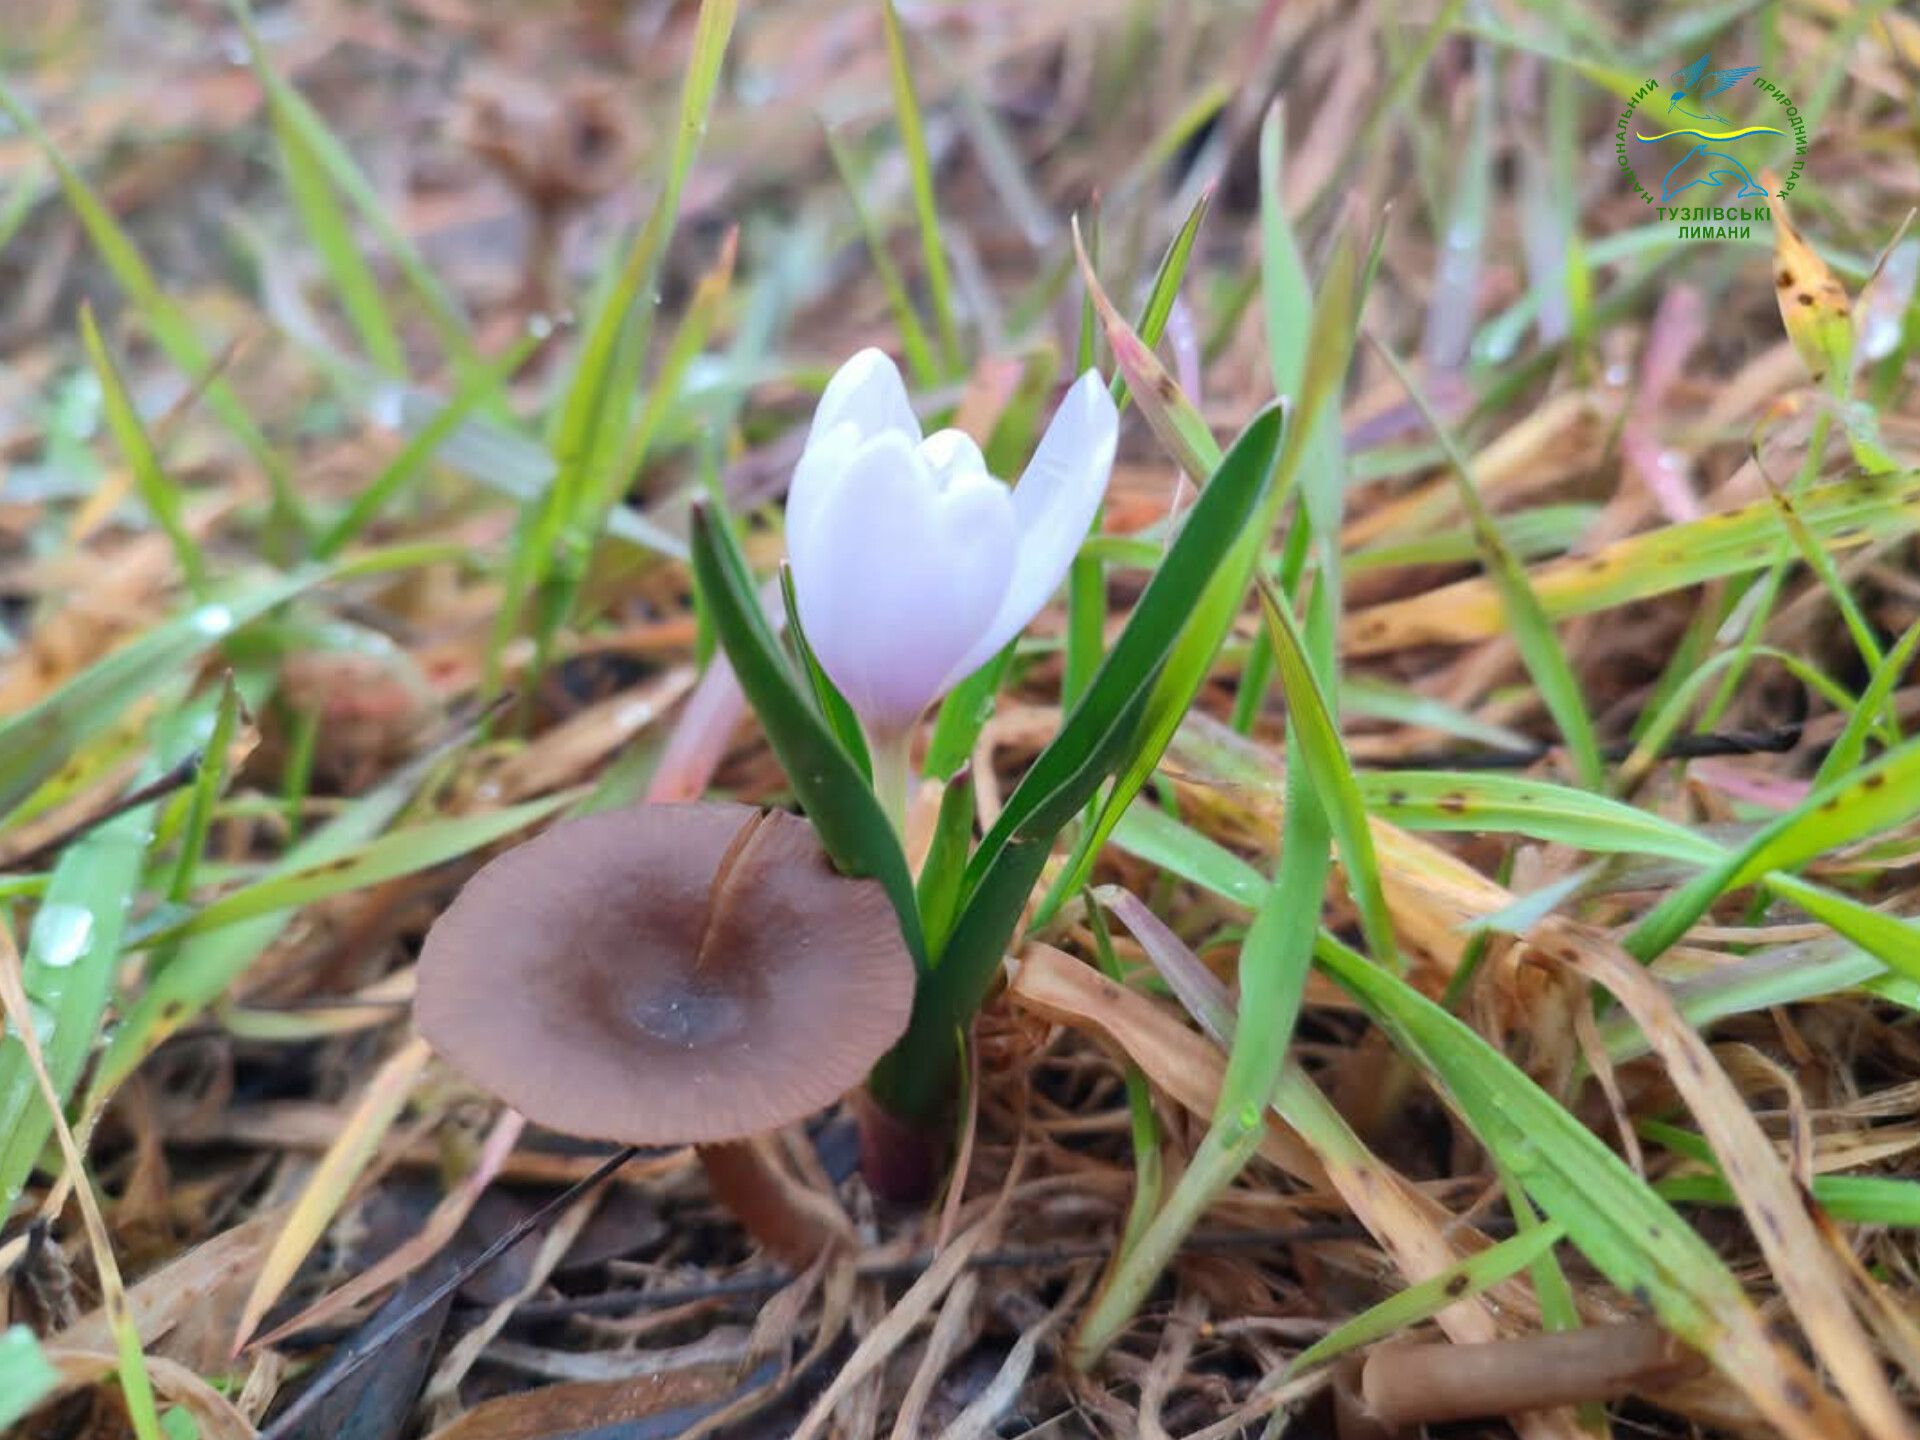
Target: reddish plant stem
{"x": 902, "y": 1162}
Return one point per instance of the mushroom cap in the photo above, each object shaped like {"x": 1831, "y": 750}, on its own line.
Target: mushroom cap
{"x": 666, "y": 975}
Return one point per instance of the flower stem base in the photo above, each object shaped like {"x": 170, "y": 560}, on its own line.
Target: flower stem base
{"x": 901, "y": 1161}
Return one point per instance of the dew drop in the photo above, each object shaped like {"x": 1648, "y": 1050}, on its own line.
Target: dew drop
{"x": 388, "y": 407}
{"x": 42, "y": 1022}
{"x": 690, "y": 1018}
{"x": 213, "y": 619}
{"x": 60, "y": 934}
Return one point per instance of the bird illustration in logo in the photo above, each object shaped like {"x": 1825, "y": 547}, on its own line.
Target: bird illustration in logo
{"x": 1700, "y": 83}
{"x": 1693, "y": 85}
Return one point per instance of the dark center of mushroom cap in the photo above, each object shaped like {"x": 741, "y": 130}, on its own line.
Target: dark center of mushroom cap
{"x": 666, "y": 974}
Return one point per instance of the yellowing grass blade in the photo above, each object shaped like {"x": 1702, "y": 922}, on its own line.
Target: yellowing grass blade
{"x": 320, "y": 1202}
{"x": 1842, "y": 516}
{"x": 1814, "y": 1285}
{"x": 130, "y": 1363}
{"x": 1813, "y": 303}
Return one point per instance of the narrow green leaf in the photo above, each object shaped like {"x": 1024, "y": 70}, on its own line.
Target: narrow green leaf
{"x": 298, "y": 118}
{"x": 1274, "y": 963}
{"x": 1844, "y": 514}
{"x": 1178, "y": 682}
{"x": 1165, "y": 289}
{"x": 829, "y": 786}
{"x": 945, "y": 868}
{"x": 332, "y": 236}
{"x": 1883, "y": 794}
{"x": 208, "y": 782}
{"x": 1875, "y": 701}
{"x": 921, "y": 364}
{"x": 72, "y": 951}
{"x": 1315, "y": 744}
{"x": 161, "y": 495}
{"x": 1474, "y": 1275}
{"x": 1148, "y": 1170}
{"x": 1477, "y": 803}
{"x": 615, "y": 337}
{"x": 833, "y": 705}
{"x": 401, "y": 852}
{"x": 26, "y": 1375}
{"x": 35, "y": 743}
{"x": 962, "y": 716}
{"x": 1625, "y": 1230}
{"x": 1847, "y": 1199}
{"x": 1532, "y": 631}
{"x": 205, "y": 966}
{"x": 171, "y": 328}
{"x": 913, "y": 141}
{"x": 1003, "y": 871}
{"x": 411, "y": 461}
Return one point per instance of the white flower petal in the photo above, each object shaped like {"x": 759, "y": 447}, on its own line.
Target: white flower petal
{"x": 867, "y": 392}
{"x": 866, "y": 397}
{"x": 950, "y": 454}
{"x": 1054, "y": 503}
{"x": 821, "y": 465}
{"x": 897, "y": 578}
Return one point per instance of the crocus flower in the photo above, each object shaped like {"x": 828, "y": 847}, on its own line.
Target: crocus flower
{"x": 912, "y": 565}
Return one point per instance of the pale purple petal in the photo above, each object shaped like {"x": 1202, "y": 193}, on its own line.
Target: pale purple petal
{"x": 819, "y": 470}
{"x": 1054, "y": 505}
{"x": 865, "y": 398}
{"x": 950, "y": 454}
{"x": 896, "y": 579}
{"x": 868, "y": 393}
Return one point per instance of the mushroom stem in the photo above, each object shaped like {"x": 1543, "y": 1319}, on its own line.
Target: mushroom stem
{"x": 793, "y": 1224}
{"x": 1406, "y": 1385}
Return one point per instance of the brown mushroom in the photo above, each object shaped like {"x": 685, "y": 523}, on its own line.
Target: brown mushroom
{"x": 668, "y": 975}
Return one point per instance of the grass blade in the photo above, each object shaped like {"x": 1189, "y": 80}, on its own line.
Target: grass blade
{"x": 921, "y": 363}
{"x": 410, "y": 462}
{"x": 1314, "y": 742}
{"x": 913, "y": 141}
{"x": 1192, "y": 659}
{"x": 1532, "y": 630}
{"x": 560, "y": 527}
{"x": 1274, "y": 963}
{"x": 1883, "y": 794}
{"x": 293, "y": 114}
{"x": 1624, "y": 1229}
{"x": 161, "y": 495}
{"x": 26, "y": 1375}
{"x": 331, "y": 234}
{"x": 360, "y": 1134}
{"x": 135, "y": 1384}
{"x": 1472, "y": 1276}
{"x": 402, "y": 852}
{"x": 163, "y": 317}
{"x": 1843, "y": 515}
{"x": 206, "y": 965}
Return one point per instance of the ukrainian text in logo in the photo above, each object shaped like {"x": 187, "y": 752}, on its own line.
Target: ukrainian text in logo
{"x": 1697, "y": 149}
